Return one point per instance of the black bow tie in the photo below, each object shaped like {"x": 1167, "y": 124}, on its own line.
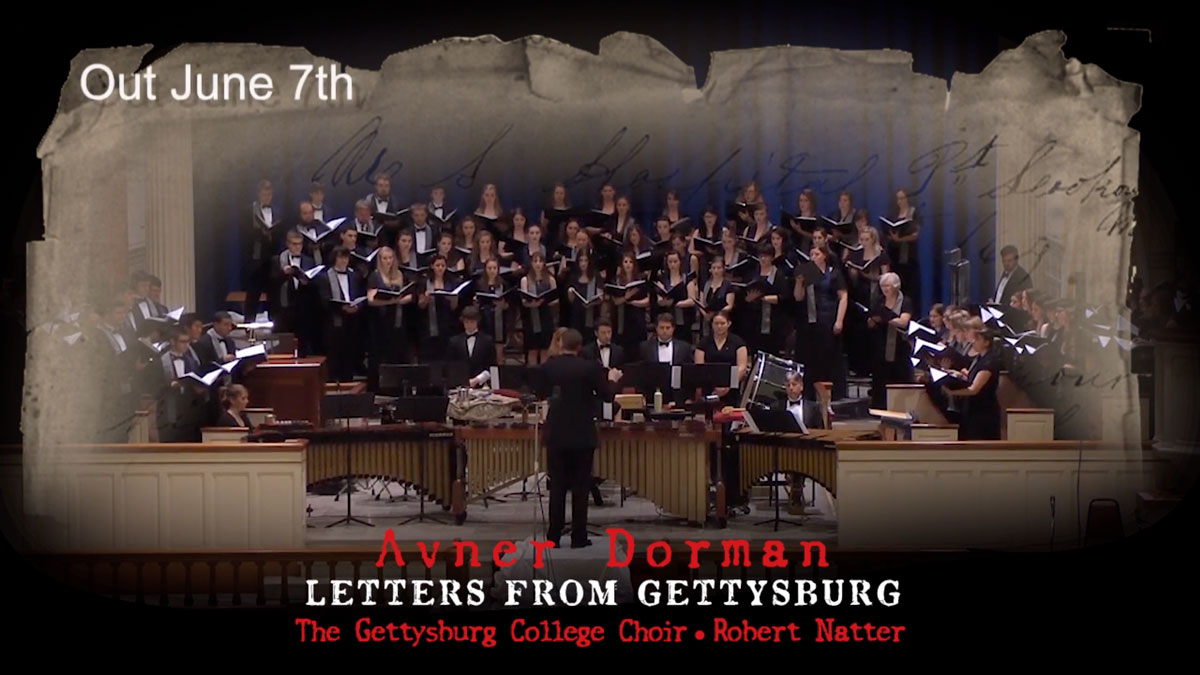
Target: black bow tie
{"x": 176, "y": 357}
{"x": 797, "y": 402}
{"x": 664, "y": 344}
{"x": 342, "y": 271}
{"x": 471, "y": 335}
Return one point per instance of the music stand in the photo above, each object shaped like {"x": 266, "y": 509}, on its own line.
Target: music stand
{"x": 450, "y": 374}
{"x": 707, "y": 377}
{"x": 403, "y": 379}
{"x": 345, "y": 406}
{"x": 774, "y": 421}
{"x": 647, "y": 378}
{"x": 422, "y": 409}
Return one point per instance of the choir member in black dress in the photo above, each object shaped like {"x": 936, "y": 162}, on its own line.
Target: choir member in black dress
{"x": 629, "y": 307}
{"x": 717, "y": 295}
{"x": 841, "y": 221}
{"x": 437, "y": 312}
{"x": 737, "y": 265}
{"x": 406, "y": 256}
{"x": 721, "y": 345}
{"x": 261, "y": 240}
{"x": 821, "y": 347}
{"x": 763, "y": 329}
{"x": 937, "y": 321}
{"x": 757, "y": 230}
{"x": 513, "y": 238}
{"x": 485, "y": 250}
{"x": 785, "y": 261}
{"x": 808, "y": 219}
{"x": 888, "y": 324}
{"x": 674, "y": 295}
{"x": 489, "y": 210}
{"x": 468, "y": 233}
{"x": 741, "y": 211}
{"x": 293, "y": 305}
{"x": 392, "y": 300}
{"x": 902, "y": 244}
{"x": 863, "y": 268}
{"x": 342, "y": 296}
{"x": 536, "y": 320}
{"x": 688, "y": 261}
{"x": 710, "y": 231}
{"x": 424, "y": 234}
{"x": 455, "y": 261}
{"x": 635, "y": 241}
{"x": 607, "y": 206}
{"x": 586, "y": 284}
{"x": 555, "y": 215}
{"x": 441, "y": 214}
{"x": 672, "y": 210}
{"x": 980, "y": 417}
{"x": 234, "y": 400}
{"x": 494, "y": 315}
{"x": 624, "y": 219}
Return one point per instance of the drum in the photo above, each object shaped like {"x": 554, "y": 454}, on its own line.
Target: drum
{"x": 767, "y": 380}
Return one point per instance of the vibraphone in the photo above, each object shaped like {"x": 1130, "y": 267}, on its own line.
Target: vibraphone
{"x": 415, "y": 455}
{"x": 813, "y": 455}
{"x": 667, "y": 464}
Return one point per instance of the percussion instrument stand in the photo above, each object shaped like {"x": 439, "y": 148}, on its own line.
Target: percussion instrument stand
{"x": 349, "y": 519}
{"x": 775, "y": 472}
{"x": 421, "y": 490}
{"x": 524, "y": 493}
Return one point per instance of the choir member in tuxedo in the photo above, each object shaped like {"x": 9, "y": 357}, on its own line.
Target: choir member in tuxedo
{"x": 437, "y": 320}
{"x": 533, "y": 244}
{"x": 801, "y": 231}
{"x": 139, "y": 284}
{"x": 340, "y": 287}
{"x": 757, "y": 230}
{"x": 424, "y": 234}
{"x": 980, "y": 416}
{"x": 361, "y": 222}
{"x": 890, "y": 339}
{"x": 629, "y": 308}
{"x": 555, "y": 215}
{"x": 709, "y": 230}
{"x": 180, "y": 409}
{"x": 216, "y": 346}
{"x": 764, "y": 327}
{"x": 381, "y": 200}
{"x": 494, "y": 315}
{"x": 291, "y": 300}
{"x": 348, "y": 241}
{"x": 489, "y": 210}
{"x": 572, "y": 385}
{"x": 675, "y": 296}
{"x": 193, "y": 325}
{"x": 113, "y": 357}
{"x": 485, "y": 250}
{"x": 313, "y": 234}
{"x": 455, "y": 260}
{"x": 320, "y": 209}
{"x": 260, "y": 242}
{"x": 715, "y": 296}
{"x": 1013, "y": 278}
{"x": 234, "y": 400}
{"x": 473, "y": 347}
{"x": 664, "y": 347}
{"x": 441, "y": 214}
{"x": 585, "y": 284}
{"x": 130, "y": 328}
{"x": 610, "y": 354}
{"x": 722, "y": 345}
{"x": 624, "y": 218}
{"x": 902, "y": 244}
{"x": 390, "y": 318}
{"x": 863, "y": 270}
{"x": 154, "y": 297}
{"x": 536, "y": 318}
{"x": 825, "y": 302}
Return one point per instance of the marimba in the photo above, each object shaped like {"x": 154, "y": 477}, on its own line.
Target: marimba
{"x": 813, "y": 455}
{"x": 667, "y": 464}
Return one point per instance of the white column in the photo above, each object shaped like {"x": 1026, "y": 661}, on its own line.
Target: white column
{"x": 170, "y": 212}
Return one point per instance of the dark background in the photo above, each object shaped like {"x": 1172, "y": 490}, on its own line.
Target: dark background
{"x": 1134, "y": 596}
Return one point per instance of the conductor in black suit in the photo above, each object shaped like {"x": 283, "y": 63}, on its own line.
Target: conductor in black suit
{"x": 572, "y": 385}
{"x": 473, "y": 347}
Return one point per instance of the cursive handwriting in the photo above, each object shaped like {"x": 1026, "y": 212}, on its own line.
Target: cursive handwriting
{"x": 345, "y": 160}
{"x": 464, "y": 176}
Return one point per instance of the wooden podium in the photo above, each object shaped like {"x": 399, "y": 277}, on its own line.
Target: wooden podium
{"x": 292, "y": 387}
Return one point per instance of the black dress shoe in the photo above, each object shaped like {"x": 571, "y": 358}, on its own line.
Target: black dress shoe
{"x": 587, "y": 542}
{"x": 596, "y": 497}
